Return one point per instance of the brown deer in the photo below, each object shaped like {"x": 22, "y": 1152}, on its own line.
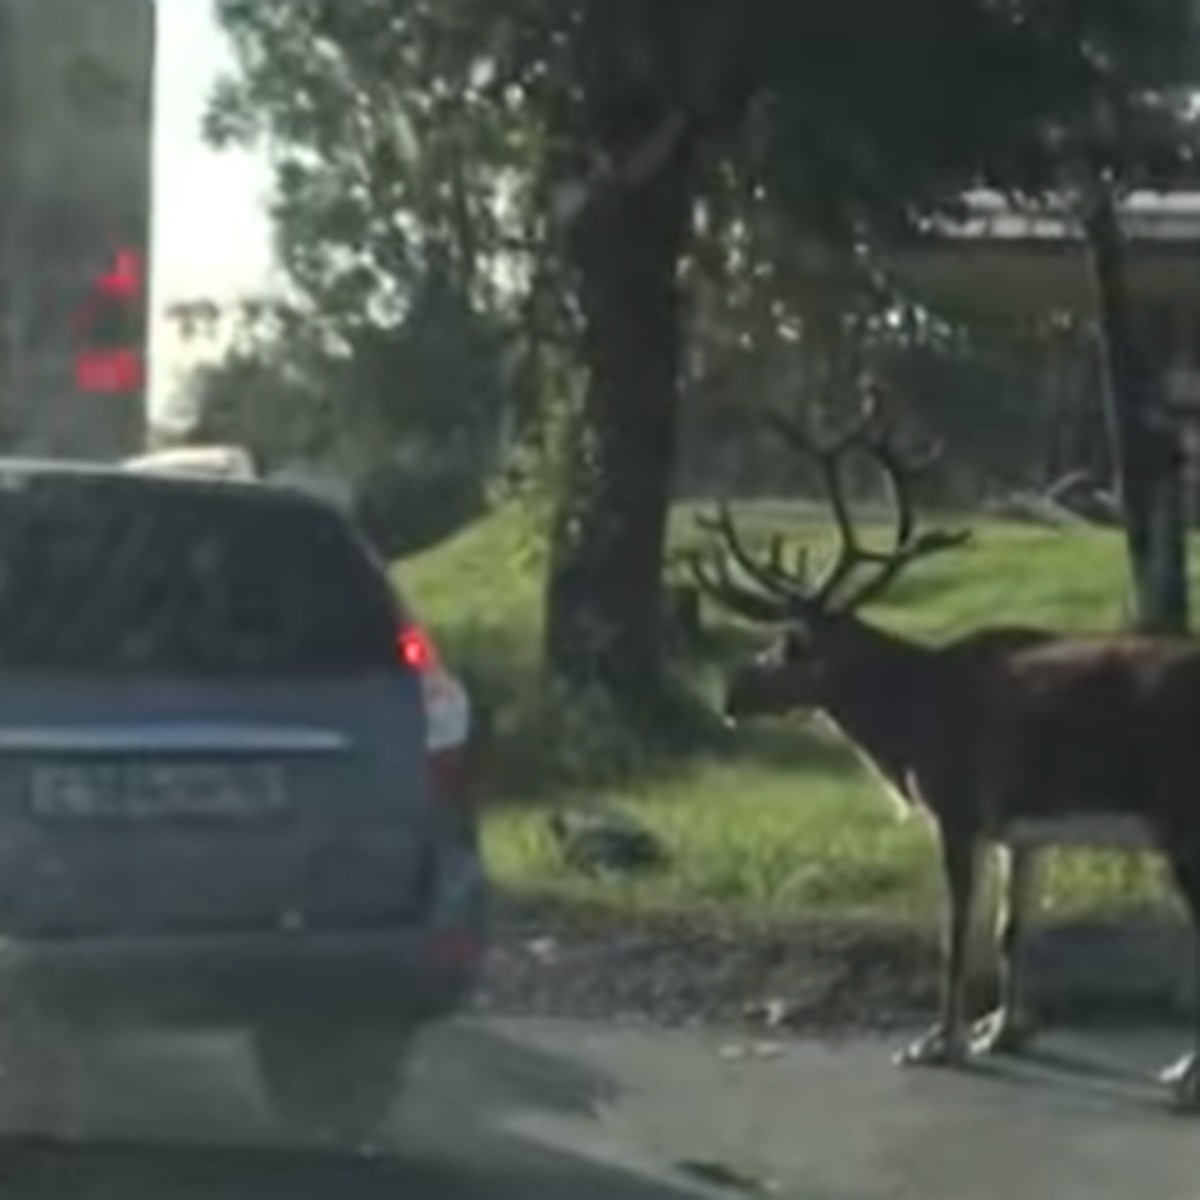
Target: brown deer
{"x": 1011, "y": 736}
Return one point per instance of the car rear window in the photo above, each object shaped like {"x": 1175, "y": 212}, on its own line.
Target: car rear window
{"x": 126, "y": 574}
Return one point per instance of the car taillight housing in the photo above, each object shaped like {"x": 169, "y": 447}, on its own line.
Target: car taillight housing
{"x": 447, "y": 714}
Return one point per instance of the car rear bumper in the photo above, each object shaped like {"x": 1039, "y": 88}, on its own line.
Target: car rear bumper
{"x": 239, "y": 979}
{"x": 412, "y": 973}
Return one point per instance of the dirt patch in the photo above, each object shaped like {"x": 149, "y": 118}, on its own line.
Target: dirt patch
{"x": 823, "y": 977}
{"x": 550, "y": 960}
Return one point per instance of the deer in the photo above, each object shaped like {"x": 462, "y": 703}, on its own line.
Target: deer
{"x": 1006, "y": 737}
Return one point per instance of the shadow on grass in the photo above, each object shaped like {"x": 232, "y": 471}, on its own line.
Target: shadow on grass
{"x": 789, "y": 747}
{"x": 532, "y": 745}
{"x": 526, "y": 764}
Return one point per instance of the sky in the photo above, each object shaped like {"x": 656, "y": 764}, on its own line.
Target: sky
{"x": 211, "y": 235}
{"x": 196, "y": 188}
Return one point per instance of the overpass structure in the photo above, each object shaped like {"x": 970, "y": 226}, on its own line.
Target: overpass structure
{"x": 998, "y": 261}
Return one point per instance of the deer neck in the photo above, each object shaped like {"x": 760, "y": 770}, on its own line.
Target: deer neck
{"x": 873, "y": 691}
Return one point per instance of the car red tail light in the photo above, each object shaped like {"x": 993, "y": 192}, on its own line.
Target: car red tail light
{"x": 107, "y": 328}
{"x": 415, "y": 650}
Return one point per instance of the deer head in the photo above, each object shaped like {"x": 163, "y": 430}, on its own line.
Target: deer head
{"x": 820, "y": 630}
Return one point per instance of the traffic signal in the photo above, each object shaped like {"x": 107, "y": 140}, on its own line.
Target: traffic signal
{"x": 109, "y": 328}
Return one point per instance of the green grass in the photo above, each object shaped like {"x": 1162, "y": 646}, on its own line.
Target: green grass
{"x": 779, "y": 820}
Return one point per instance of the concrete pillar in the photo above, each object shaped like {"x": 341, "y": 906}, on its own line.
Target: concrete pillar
{"x": 1182, "y": 393}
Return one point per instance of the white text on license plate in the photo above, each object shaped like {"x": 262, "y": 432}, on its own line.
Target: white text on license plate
{"x": 133, "y": 791}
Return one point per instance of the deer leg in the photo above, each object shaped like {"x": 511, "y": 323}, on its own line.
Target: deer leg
{"x": 946, "y": 1044}
{"x": 1010, "y": 1028}
{"x": 1183, "y": 1078}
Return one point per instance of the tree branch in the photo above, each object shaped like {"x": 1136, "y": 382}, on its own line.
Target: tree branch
{"x": 636, "y": 169}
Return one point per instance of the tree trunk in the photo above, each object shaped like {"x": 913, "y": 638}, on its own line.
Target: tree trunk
{"x": 604, "y": 590}
{"x": 1148, "y": 454}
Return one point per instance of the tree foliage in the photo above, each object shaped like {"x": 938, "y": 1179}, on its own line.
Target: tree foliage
{"x": 263, "y": 393}
{"x": 569, "y": 166}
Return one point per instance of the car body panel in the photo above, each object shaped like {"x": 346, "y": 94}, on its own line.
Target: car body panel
{"x": 183, "y": 819}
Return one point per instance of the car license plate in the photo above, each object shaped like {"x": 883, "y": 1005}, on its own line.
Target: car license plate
{"x": 148, "y": 791}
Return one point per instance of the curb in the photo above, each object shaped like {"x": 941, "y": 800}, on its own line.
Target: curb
{"x": 1087, "y": 966}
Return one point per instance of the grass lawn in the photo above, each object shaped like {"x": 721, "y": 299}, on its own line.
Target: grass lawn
{"x": 778, "y": 820}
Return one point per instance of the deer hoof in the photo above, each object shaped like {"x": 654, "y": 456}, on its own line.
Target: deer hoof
{"x": 1002, "y": 1032}
{"x": 937, "y": 1048}
{"x": 1183, "y": 1078}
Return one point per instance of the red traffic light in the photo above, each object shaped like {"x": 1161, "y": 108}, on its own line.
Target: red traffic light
{"x": 109, "y": 357}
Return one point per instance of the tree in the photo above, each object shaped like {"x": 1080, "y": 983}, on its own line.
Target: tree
{"x": 1122, "y": 150}
{"x": 571, "y": 141}
{"x": 1149, "y": 454}
{"x": 405, "y": 415}
{"x": 263, "y": 391}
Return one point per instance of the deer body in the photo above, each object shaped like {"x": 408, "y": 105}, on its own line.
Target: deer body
{"x": 1008, "y": 735}
{"x": 1008, "y": 729}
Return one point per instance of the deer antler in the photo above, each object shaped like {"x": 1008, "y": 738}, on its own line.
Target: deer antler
{"x": 828, "y": 460}
{"x": 868, "y": 436}
{"x": 773, "y": 576}
{"x": 714, "y": 577}
{"x": 782, "y": 590}
{"x": 788, "y": 591}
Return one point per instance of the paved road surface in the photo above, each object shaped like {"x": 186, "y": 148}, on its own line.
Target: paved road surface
{"x": 535, "y": 1110}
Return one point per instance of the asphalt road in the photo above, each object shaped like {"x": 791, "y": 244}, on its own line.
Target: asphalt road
{"x": 535, "y": 1110}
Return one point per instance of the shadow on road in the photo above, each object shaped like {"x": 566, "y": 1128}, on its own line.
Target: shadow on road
{"x": 1082, "y": 1071}
{"x": 160, "y": 1172}
{"x": 483, "y": 1115}
{"x": 493, "y": 1070}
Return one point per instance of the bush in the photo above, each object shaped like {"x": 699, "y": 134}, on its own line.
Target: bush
{"x": 407, "y": 508}
{"x": 535, "y": 738}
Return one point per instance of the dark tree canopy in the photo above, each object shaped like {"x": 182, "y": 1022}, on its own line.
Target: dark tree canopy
{"x": 565, "y": 163}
